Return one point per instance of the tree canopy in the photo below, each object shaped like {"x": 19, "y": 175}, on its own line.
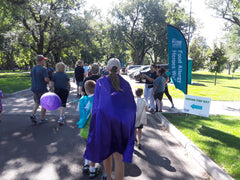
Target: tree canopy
{"x": 65, "y": 31}
{"x": 216, "y": 60}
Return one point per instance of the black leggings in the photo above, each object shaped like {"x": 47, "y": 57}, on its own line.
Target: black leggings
{"x": 167, "y": 94}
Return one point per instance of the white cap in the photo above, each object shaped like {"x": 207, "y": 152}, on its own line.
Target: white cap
{"x": 113, "y": 62}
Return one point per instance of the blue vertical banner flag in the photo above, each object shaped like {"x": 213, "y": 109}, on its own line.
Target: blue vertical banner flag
{"x": 178, "y": 58}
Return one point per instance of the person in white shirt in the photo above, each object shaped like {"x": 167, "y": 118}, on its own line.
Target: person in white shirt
{"x": 141, "y": 116}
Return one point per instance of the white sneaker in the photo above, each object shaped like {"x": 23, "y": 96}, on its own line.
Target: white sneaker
{"x": 60, "y": 121}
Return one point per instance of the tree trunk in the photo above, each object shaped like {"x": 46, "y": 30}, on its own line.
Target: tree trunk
{"x": 215, "y": 82}
{"x": 140, "y": 57}
{"x": 229, "y": 68}
{"x": 41, "y": 43}
{"x": 56, "y": 55}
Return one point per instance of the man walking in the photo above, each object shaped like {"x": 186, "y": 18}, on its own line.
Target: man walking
{"x": 148, "y": 90}
{"x": 79, "y": 76}
{"x": 39, "y": 79}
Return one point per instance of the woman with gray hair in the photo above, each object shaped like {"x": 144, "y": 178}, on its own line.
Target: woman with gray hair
{"x": 112, "y": 124}
{"x": 60, "y": 84}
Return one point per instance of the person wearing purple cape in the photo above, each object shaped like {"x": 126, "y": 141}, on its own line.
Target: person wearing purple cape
{"x": 112, "y": 124}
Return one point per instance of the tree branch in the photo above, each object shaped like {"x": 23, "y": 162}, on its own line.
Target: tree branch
{"x": 34, "y": 15}
{"x": 29, "y": 29}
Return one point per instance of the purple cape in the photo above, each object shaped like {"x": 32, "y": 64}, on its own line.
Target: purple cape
{"x": 113, "y": 122}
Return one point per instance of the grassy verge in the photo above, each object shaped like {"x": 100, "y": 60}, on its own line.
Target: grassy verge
{"x": 13, "y": 82}
{"x": 227, "y": 88}
{"x": 217, "y": 136}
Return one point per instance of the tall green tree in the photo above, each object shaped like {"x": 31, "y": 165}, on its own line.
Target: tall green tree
{"x": 197, "y": 52}
{"x": 7, "y": 49}
{"x": 226, "y": 9}
{"x": 48, "y": 23}
{"x": 177, "y": 16}
{"x": 136, "y": 22}
{"x": 142, "y": 24}
{"x": 217, "y": 60}
{"x": 233, "y": 48}
{"x": 229, "y": 10}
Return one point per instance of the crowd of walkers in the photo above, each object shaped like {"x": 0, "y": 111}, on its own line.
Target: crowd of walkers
{"x": 155, "y": 87}
{"x": 110, "y": 118}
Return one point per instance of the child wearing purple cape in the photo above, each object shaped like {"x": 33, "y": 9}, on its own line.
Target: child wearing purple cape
{"x": 112, "y": 124}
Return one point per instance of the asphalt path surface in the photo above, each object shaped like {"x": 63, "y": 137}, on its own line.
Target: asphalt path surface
{"x": 53, "y": 152}
{"x": 49, "y": 151}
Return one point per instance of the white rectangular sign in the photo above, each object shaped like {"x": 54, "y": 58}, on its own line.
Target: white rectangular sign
{"x": 197, "y": 105}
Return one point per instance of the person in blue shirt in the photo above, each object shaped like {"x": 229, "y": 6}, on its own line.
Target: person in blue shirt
{"x": 60, "y": 84}
{"x": 39, "y": 80}
{"x": 159, "y": 88}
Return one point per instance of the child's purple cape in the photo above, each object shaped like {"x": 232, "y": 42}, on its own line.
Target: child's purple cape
{"x": 113, "y": 122}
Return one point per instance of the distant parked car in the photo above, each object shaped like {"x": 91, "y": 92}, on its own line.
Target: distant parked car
{"x": 137, "y": 74}
{"x": 132, "y": 71}
{"x": 123, "y": 70}
{"x": 131, "y": 67}
{"x": 165, "y": 66}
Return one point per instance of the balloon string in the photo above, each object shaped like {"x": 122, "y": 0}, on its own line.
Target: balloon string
{"x": 72, "y": 101}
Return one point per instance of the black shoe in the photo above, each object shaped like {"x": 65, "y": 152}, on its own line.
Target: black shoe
{"x": 33, "y": 118}
{"x": 139, "y": 146}
{"x": 85, "y": 169}
{"x": 94, "y": 174}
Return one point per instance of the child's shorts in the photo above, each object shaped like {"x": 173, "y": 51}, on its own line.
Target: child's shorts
{"x": 139, "y": 127}
{"x": 63, "y": 94}
{"x": 158, "y": 96}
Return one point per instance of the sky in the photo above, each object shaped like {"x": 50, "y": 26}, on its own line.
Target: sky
{"x": 211, "y": 26}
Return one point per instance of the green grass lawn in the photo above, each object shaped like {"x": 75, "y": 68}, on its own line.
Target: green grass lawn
{"x": 217, "y": 136}
{"x": 227, "y": 88}
{"x": 13, "y": 82}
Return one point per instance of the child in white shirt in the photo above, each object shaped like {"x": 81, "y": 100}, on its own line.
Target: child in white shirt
{"x": 141, "y": 116}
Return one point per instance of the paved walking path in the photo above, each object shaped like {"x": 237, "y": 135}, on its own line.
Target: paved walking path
{"x": 48, "y": 151}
